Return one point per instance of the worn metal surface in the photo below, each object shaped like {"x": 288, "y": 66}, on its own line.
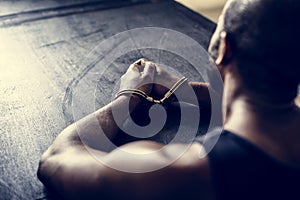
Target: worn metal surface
{"x": 42, "y": 47}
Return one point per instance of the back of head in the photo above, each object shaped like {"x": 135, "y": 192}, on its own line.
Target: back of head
{"x": 265, "y": 40}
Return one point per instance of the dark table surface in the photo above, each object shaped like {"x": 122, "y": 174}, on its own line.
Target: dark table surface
{"x": 51, "y": 64}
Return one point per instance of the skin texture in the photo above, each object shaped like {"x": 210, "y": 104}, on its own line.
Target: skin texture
{"x": 68, "y": 167}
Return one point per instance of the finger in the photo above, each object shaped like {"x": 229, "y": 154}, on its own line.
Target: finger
{"x": 137, "y": 65}
{"x": 159, "y": 69}
{"x": 141, "y": 61}
{"x": 134, "y": 67}
{"x": 149, "y": 70}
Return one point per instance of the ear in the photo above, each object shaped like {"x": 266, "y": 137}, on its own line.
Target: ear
{"x": 225, "y": 52}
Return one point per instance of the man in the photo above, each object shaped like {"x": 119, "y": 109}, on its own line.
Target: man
{"x": 257, "y": 156}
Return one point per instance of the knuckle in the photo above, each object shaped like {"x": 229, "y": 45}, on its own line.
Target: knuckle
{"x": 148, "y": 62}
{"x": 153, "y": 67}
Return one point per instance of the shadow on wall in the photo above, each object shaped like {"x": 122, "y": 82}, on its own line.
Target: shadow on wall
{"x": 209, "y": 8}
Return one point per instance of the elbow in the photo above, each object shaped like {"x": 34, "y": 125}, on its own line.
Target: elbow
{"x": 48, "y": 160}
{"x": 40, "y": 171}
{"x": 47, "y": 165}
{"x": 48, "y": 170}
{"x": 43, "y": 165}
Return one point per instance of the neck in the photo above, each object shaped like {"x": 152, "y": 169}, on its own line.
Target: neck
{"x": 245, "y": 109}
{"x": 273, "y": 127}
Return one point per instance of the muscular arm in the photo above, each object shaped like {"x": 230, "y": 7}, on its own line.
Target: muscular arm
{"x": 202, "y": 92}
{"x": 77, "y": 171}
{"x": 80, "y": 164}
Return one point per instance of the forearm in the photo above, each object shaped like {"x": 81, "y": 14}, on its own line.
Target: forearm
{"x": 192, "y": 92}
{"x": 114, "y": 114}
{"x": 97, "y": 129}
{"x": 202, "y": 92}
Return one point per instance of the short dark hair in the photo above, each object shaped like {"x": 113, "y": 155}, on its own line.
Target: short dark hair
{"x": 265, "y": 40}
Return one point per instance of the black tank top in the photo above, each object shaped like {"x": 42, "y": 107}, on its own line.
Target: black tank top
{"x": 242, "y": 171}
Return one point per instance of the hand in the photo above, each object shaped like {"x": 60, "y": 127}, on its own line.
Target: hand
{"x": 163, "y": 80}
{"x": 140, "y": 76}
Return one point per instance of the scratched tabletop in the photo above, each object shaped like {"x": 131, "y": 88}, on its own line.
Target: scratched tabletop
{"x": 60, "y": 60}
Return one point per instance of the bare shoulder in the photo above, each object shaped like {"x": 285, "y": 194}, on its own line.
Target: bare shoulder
{"x": 139, "y": 170}
{"x": 160, "y": 172}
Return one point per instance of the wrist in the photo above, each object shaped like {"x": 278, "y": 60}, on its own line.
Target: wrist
{"x": 130, "y": 99}
{"x": 183, "y": 93}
